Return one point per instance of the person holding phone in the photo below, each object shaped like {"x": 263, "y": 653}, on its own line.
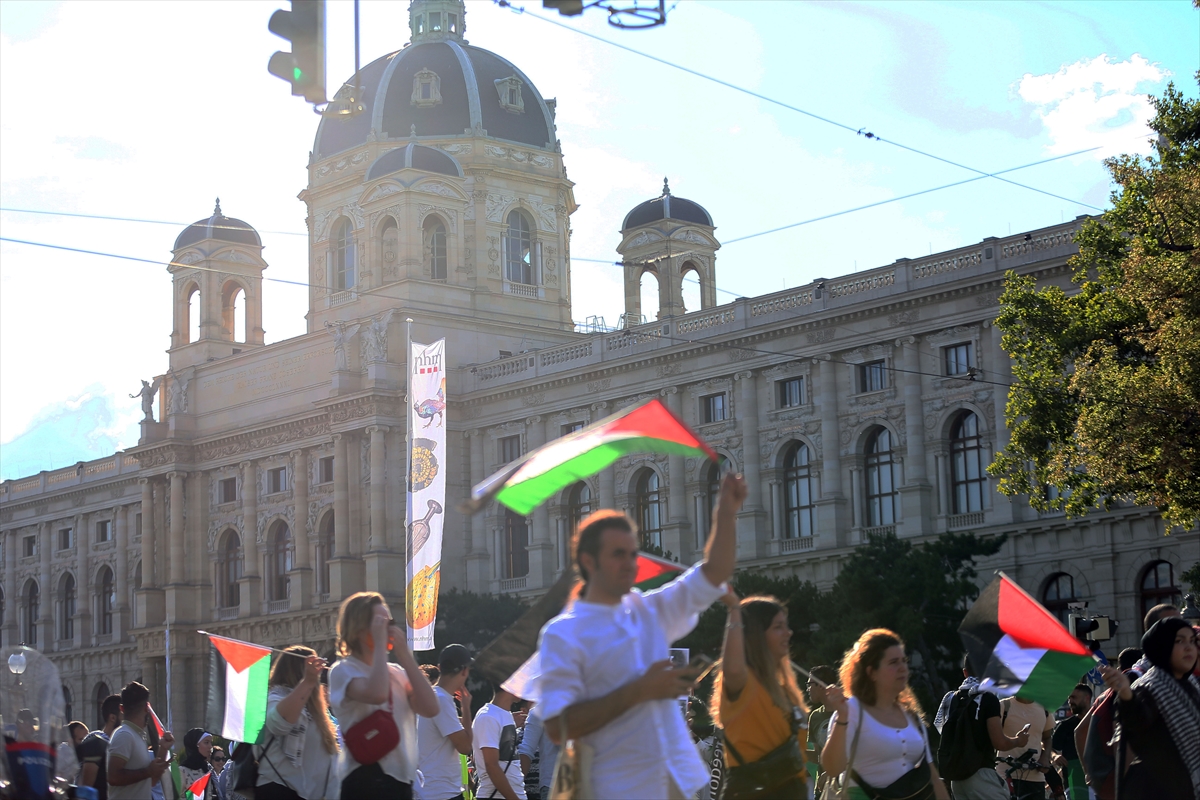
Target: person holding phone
{"x": 607, "y": 680}
{"x": 1021, "y": 716}
{"x": 364, "y": 682}
{"x": 759, "y": 704}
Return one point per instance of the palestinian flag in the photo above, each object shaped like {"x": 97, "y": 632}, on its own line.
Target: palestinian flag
{"x": 196, "y": 790}
{"x": 237, "y": 693}
{"x": 654, "y": 572}
{"x": 530, "y": 481}
{"x": 1017, "y": 647}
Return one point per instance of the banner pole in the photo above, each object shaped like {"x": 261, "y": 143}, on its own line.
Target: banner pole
{"x": 167, "y": 664}
{"x": 408, "y": 423}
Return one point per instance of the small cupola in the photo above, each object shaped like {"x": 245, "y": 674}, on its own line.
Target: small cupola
{"x": 437, "y": 20}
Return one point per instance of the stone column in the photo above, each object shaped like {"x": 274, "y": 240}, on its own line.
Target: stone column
{"x": 1001, "y": 509}
{"x": 675, "y": 527}
{"x": 46, "y": 592}
{"x": 300, "y": 579}
{"x": 752, "y": 520}
{"x": 396, "y": 491}
{"x": 386, "y": 569}
{"x": 833, "y": 519}
{"x": 120, "y": 623}
{"x": 345, "y": 572}
{"x": 83, "y": 594}
{"x": 541, "y": 550}
{"x": 479, "y": 560}
{"x": 12, "y": 635}
{"x": 942, "y": 483}
{"x": 176, "y": 540}
{"x": 251, "y": 582}
{"x": 608, "y": 477}
{"x": 151, "y": 603}
{"x": 916, "y": 495}
{"x": 378, "y": 534}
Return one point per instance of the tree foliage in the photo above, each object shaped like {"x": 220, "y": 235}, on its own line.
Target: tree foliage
{"x": 472, "y": 619}
{"x": 1105, "y": 403}
{"x": 921, "y": 592}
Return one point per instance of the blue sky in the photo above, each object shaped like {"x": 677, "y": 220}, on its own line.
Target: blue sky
{"x": 151, "y": 110}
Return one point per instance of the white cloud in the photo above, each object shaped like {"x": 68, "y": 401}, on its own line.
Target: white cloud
{"x": 1095, "y": 102}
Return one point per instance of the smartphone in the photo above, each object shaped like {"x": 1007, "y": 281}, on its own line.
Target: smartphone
{"x": 701, "y": 664}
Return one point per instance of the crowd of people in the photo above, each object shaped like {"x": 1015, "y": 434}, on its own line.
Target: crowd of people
{"x": 608, "y": 722}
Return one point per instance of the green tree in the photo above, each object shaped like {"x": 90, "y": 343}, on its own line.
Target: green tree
{"x": 472, "y": 619}
{"x": 1105, "y": 403}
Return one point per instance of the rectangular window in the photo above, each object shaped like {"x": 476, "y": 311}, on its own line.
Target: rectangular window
{"x": 958, "y": 358}
{"x": 228, "y": 489}
{"x": 790, "y": 392}
{"x": 66, "y": 539}
{"x": 277, "y": 480}
{"x": 510, "y": 448}
{"x": 712, "y": 408}
{"x": 137, "y": 524}
{"x": 103, "y": 530}
{"x": 435, "y": 21}
{"x": 29, "y": 546}
{"x": 325, "y": 470}
{"x": 571, "y": 427}
{"x": 871, "y": 377}
{"x": 426, "y": 89}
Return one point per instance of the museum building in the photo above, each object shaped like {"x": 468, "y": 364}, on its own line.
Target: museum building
{"x": 268, "y": 481}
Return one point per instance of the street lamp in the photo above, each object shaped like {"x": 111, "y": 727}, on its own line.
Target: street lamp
{"x": 17, "y": 661}
{"x": 1190, "y": 611}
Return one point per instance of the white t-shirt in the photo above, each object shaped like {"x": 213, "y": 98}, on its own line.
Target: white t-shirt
{"x": 439, "y": 765}
{"x": 1016, "y": 715}
{"x": 129, "y": 742}
{"x": 884, "y": 753}
{"x": 492, "y": 726}
{"x": 400, "y": 763}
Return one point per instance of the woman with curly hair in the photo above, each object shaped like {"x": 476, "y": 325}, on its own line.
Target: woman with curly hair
{"x": 877, "y": 735}
{"x": 758, "y": 703}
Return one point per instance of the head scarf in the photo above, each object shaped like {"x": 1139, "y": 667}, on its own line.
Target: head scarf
{"x": 191, "y": 752}
{"x": 1159, "y": 641}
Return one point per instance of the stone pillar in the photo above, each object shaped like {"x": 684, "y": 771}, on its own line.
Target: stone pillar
{"x": 12, "y": 607}
{"x": 300, "y": 579}
{"x": 396, "y": 492}
{"x": 752, "y": 520}
{"x": 377, "y": 539}
{"x": 1001, "y": 509}
{"x": 83, "y": 593}
{"x": 541, "y": 550}
{"x": 479, "y": 560}
{"x": 175, "y": 534}
{"x": 608, "y": 477}
{"x": 386, "y": 571}
{"x": 344, "y": 570}
{"x": 675, "y": 527}
{"x": 151, "y": 602}
{"x": 916, "y": 495}
{"x": 942, "y": 480}
{"x": 833, "y": 520}
{"x": 251, "y": 582}
{"x": 46, "y": 592}
{"x": 120, "y": 621}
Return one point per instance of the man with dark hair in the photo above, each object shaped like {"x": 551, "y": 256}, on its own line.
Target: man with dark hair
{"x": 1063, "y": 742}
{"x": 1160, "y": 611}
{"x": 819, "y": 677}
{"x": 132, "y": 768}
{"x": 441, "y": 739}
{"x": 606, "y": 675}
{"x": 1129, "y": 657}
{"x": 494, "y": 742}
{"x": 93, "y": 752}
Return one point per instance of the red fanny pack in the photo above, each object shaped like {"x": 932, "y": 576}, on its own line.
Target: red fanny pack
{"x": 374, "y": 736}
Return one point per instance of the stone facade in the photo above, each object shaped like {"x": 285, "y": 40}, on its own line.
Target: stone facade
{"x": 270, "y": 485}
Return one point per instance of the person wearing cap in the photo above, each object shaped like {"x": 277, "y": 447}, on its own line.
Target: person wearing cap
{"x": 441, "y": 739}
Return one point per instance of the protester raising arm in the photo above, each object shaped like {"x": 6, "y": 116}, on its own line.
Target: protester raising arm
{"x": 720, "y": 554}
{"x": 374, "y": 688}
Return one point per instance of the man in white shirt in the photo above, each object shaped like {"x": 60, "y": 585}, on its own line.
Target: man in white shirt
{"x": 605, "y": 659}
{"x": 132, "y": 768}
{"x": 494, "y": 740}
{"x": 441, "y": 739}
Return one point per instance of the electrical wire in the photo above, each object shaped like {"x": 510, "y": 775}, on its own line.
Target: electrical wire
{"x": 135, "y": 219}
{"x": 973, "y": 376}
{"x": 850, "y": 128}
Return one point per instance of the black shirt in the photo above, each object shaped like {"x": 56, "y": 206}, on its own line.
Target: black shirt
{"x": 989, "y": 706}
{"x": 1063, "y": 739}
{"x": 94, "y": 750}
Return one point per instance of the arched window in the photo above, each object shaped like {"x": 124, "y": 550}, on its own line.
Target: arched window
{"x": 99, "y": 696}
{"x": 66, "y": 607}
{"x": 516, "y": 545}
{"x": 693, "y": 297}
{"x": 968, "y": 481}
{"x": 233, "y": 311}
{"x": 881, "y": 479}
{"x": 434, "y": 236}
{"x": 649, "y": 509}
{"x": 648, "y": 289}
{"x": 518, "y": 250}
{"x": 324, "y": 552}
{"x": 797, "y": 493}
{"x": 579, "y": 505}
{"x": 68, "y": 705}
{"x": 229, "y": 570}
{"x": 344, "y": 254}
{"x": 105, "y": 600}
{"x": 29, "y": 623}
{"x": 1057, "y": 593}
{"x": 191, "y": 325}
{"x": 1158, "y": 586}
{"x": 279, "y": 561}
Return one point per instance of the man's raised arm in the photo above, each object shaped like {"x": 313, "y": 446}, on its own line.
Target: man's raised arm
{"x": 720, "y": 554}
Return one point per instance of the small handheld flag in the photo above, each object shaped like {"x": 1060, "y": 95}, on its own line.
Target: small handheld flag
{"x": 196, "y": 790}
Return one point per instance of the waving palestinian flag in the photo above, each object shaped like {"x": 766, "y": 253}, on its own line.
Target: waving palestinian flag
{"x": 527, "y": 483}
{"x": 653, "y": 572}
{"x": 1019, "y": 648}
{"x": 237, "y": 687}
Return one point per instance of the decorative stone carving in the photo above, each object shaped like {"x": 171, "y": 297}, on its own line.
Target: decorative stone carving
{"x": 667, "y": 370}
{"x": 177, "y": 393}
{"x": 273, "y": 437}
{"x": 351, "y": 210}
{"x": 439, "y": 188}
{"x": 904, "y": 317}
{"x": 644, "y": 237}
{"x": 600, "y": 385}
{"x": 496, "y": 203}
{"x": 341, "y": 333}
{"x": 691, "y": 236}
{"x": 820, "y": 336}
{"x": 375, "y": 337}
{"x": 427, "y": 89}
{"x": 530, "y": 400}
{"x": 455, "y": 149}
{"x": 146, "y": 393}
{"x": 381, "y": 191}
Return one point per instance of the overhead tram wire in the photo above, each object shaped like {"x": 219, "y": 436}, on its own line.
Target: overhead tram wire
{"x": 972, "y": 378}
{"x": 135, "y": 219}
{"x": 860, "y": 131}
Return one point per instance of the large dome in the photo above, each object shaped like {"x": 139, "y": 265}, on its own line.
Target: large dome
{"x": 443, "y": 88}
{"x": 218, "y": 226}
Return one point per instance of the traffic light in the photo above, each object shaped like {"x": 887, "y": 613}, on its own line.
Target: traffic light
{"x": 304, "y": 67}
{"x": 1091, "y": 630}
{"x": 567, "y": 8}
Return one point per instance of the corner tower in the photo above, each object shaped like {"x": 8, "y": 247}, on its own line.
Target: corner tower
{"x": 216, "y": 283}
{"x": 671, "y": 239}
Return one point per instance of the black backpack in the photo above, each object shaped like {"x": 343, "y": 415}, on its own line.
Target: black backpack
{"x": 959, "y": 754}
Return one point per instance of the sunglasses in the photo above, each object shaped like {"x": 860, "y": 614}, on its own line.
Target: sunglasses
{"x": 220, "y": 758}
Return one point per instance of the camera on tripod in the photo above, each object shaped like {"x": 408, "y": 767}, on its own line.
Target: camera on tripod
{"x": 1091, "y": 630}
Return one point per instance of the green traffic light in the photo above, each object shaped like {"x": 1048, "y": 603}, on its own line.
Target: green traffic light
{"x": 297, "y": 73}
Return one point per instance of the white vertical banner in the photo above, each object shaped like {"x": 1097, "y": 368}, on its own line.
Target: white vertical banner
{"x": 427, "y": 488}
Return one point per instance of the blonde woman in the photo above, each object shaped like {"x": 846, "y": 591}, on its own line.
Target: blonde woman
{"x": 880, "y": 727}
{"x": 298, "y": 762}
{"x": 363, "y": 682}
{"x": 759, "y": 705}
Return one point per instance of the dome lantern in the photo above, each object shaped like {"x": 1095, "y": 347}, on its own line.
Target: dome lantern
{"x": 437, "y": 20}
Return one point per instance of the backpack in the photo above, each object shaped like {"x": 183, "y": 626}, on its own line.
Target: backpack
{"x": 959, "y": 754}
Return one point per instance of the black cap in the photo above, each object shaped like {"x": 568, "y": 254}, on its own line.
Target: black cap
{"x": 454, "y": 657}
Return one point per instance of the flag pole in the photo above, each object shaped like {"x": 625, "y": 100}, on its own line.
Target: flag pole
{"x": 408, "y": 402}
{"x": 167, "y": 660}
